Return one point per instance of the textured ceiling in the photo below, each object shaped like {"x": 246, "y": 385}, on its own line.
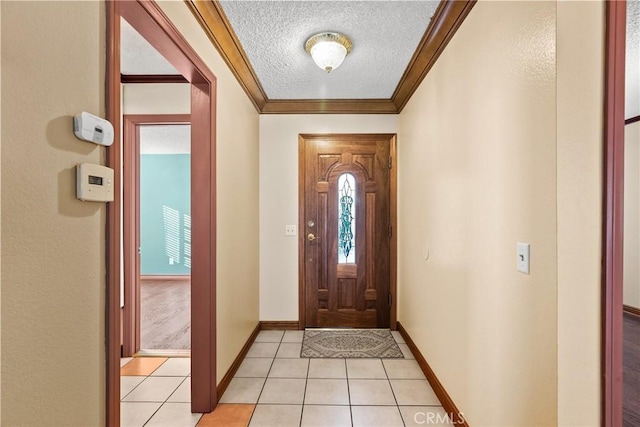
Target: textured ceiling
{"x": 632, "y": 107}
{"x": 137, "y": 56}
{"x": 273, "y": 34}
{"x": 385, "y": 35}
{"x": 165, "y": 139}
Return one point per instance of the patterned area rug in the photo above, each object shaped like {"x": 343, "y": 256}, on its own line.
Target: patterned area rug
{"x": 350, "y": 343}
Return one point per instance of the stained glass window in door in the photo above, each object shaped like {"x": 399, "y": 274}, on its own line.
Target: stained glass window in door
{"x": 346, "y": 219}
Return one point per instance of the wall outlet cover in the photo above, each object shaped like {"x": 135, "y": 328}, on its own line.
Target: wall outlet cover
{"x": 290, "y": 230}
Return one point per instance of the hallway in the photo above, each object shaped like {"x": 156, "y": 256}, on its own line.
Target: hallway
{"x": 274, "y": 387}
{"x": 501, "y": 140}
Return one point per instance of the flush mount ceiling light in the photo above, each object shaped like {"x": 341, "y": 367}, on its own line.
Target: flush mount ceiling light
{"x": 328, "y": 49}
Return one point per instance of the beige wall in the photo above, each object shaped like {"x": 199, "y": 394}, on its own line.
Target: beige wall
{"x": 53, "y": 256}
{"x": 477, "y": 174}
{"x": 237, "y": 196}
{"x": 488, "y": 332}
{"x": 279, "y": 199}
{"x": 632, "y": 215}
{"x": 163, "y": 98}
{"x": 580, "y": 78}
{"x": 518, "y": 165}
{"x": 0, "y": 217}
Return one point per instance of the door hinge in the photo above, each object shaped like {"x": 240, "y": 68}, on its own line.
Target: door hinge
{"x": 390, "y": 162}
{"x": 390, "y": 231}
{"x": 390, "y": 300}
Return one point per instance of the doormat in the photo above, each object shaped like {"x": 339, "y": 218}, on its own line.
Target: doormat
{"x": 350, "y": 343}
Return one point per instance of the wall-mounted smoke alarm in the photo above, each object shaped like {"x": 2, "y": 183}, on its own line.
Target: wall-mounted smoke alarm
{"x": 92, "y": 128}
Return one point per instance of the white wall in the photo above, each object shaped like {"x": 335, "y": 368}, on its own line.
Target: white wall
{"x": 631, "y": 279}
{"x": 279, "y": 199}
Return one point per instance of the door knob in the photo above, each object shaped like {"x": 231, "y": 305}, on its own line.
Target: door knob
{"x": 311, "y": 237}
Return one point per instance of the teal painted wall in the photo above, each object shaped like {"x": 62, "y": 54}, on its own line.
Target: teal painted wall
{"x": 165, "y": 214}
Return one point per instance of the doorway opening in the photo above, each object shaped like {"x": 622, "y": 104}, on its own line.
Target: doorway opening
{"x": 154, "y": 26}
{"x": 157, "y": 234}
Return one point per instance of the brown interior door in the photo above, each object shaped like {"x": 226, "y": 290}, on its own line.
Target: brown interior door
{"x": 345, "y": 233}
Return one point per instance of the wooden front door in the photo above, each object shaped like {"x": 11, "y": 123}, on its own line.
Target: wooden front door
{"x": 345, "y": 229}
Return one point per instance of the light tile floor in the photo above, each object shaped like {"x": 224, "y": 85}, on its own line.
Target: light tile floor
{"x": 156, "y": 391}
{"x": 274, "y": 387}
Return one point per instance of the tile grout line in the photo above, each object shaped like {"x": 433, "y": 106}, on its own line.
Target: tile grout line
{"x": 273, "y": 359}
{"x": 174, "y": 391}
{"x": 138, "y": 385}
{"x": 169, "y": 397}
{"x": 165, "y": 401}
{"x": 131, "y": 391}
{"x": 266, "y": 378}
{"x": 304, "y": 393}
{"x": 348, "y": 391}
{"x": 393, "y": 391}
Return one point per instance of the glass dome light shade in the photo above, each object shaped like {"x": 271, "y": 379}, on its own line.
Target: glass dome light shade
{"x": 328, "y": 55}
{"x": 328, "y": 50}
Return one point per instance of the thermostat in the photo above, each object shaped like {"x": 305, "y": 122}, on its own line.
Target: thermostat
{"x": 94, "y": 183}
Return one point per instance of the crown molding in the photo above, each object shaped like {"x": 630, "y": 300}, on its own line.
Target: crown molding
{"x": 446, "y": 21}
{"x": 215, "y": 24}
{"x": 444, "y": 24}
{"x": 330, "y": 106}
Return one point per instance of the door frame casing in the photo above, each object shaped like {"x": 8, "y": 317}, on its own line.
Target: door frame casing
{"x": 151, "y": 22}
{"x": 303, "y": 139}
{"x": 613, "y": 216}
{"x": 131, "y": 215}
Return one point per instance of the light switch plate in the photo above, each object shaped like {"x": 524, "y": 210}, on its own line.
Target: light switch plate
{"x": 289, "y": 230}
{"x": 523, "y": 252}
